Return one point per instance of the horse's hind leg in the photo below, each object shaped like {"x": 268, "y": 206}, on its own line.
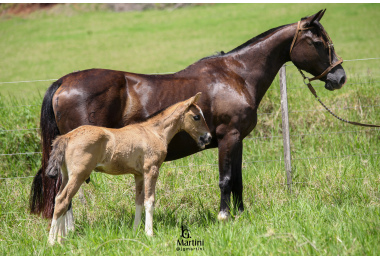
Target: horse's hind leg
{"x": 139, "y": 180}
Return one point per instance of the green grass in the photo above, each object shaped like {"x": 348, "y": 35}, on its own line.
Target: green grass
{"x": 334, "y": 206}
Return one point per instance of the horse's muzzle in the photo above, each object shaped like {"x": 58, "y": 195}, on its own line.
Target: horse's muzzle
{"x": 336, "y": 78}
{"x": 204, "y": 140}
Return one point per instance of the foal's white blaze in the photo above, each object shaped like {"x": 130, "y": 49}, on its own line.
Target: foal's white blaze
{"x": 149, "y": 208}
{"x": 202, "y": 113}
{"x": 138, "y": 214}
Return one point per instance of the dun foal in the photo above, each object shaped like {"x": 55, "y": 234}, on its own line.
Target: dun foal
{"x": 139, "y": 149}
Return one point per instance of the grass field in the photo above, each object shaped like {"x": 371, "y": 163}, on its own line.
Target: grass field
{"x": 334, "y": 208}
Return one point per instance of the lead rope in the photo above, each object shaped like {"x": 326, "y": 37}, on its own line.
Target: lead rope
{"x": 312, "y": 90}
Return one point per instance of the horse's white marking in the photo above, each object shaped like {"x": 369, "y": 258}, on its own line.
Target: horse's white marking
{"x": 223, "y": 216}
{"x": 149, "y": 209}
{"x": 138, "y": 214}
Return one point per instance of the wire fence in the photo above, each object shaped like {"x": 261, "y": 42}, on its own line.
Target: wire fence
{"x": 280, "y": 159}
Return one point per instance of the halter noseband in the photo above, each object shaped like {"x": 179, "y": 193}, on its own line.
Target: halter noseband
{"x": 330, "y": 44}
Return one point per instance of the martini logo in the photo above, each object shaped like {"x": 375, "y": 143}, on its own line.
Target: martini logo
{"x": 186, "y": 243}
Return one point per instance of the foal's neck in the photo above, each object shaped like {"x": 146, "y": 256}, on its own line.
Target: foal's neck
{"x": 166, "y": 124}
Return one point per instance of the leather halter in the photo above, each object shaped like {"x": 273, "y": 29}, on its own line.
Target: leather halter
{"x": 308, "y": 84}
{"x": 330, "y": 44}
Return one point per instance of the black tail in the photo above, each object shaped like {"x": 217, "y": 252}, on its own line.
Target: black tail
{"x": 44, "y": 189}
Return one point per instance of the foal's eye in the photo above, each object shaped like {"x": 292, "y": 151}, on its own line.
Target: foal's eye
{"x": 197, "y": 117}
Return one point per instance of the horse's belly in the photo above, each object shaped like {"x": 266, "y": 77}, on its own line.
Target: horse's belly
{"x": 183, "y": 145}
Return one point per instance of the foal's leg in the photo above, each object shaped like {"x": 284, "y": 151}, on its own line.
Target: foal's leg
{"x": 58, "y": 224}
{"x": 61, "y": 217}
{"x": 139, "y": 180}
{"x": 150, "y": 179}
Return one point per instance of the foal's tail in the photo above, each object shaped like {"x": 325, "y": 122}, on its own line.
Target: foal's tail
{"x": 44, "y": 189}
{"x": 57, "y": 156}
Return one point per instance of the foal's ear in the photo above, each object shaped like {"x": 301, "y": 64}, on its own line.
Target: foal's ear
{"x": 191, "y": 101}
{"x": 196, "y": 98}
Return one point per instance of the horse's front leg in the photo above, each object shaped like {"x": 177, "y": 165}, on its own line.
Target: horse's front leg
{"x": 150, "y": 179}
{"x": 230, "y": 149}
{"x": 139, "y": 180}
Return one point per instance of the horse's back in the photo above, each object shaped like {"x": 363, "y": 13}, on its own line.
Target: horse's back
{"x": 98, "y": 96}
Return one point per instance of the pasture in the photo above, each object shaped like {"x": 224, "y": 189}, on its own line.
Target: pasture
{"x": 334, "y": 208}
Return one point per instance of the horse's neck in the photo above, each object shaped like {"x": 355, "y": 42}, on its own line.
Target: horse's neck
{"x": 259, "y": 62}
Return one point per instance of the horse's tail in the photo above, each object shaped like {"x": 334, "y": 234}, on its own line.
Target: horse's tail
{"x": 44, "y": 189}
{"x": 57, "y": 156}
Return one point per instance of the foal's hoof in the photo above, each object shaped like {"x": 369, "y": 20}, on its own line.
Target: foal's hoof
{"x": 223, "y": 216}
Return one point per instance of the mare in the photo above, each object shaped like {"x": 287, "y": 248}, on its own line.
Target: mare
{"x": 139, "y": 149}
{"x": 232, "y": 86}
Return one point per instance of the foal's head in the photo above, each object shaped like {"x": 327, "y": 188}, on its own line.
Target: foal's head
{"x": 313, "y": 51}
{"x": 194, "y": 123}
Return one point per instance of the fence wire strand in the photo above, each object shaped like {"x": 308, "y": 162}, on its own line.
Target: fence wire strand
{"x": 247, "y": 162}
{"x": 41, "y": 80}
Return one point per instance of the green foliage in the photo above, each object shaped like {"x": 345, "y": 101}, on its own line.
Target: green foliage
{"x": 334, "y": 205}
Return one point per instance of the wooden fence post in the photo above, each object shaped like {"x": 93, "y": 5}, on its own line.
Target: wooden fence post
{"x": 285, "y": 127}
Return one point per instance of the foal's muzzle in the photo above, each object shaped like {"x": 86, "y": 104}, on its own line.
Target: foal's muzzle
{"x": 204, "y": 140}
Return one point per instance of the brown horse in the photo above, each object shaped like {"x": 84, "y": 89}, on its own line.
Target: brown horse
{"x": 233, "y": 84}
{"x": 138, "y": 149}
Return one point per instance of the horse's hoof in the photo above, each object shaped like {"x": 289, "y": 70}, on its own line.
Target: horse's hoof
{"x": 223, "y": 216}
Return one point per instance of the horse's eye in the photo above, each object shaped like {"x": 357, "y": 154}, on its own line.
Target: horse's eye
{"x": 318, "y": 44}
{"x": 197, "y": 117}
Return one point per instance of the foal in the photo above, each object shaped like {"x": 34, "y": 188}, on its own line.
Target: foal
{"x": 139, "y": 149}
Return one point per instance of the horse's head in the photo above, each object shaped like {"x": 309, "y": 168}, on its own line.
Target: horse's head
{"x": 193, "y": 122}
{"x": 312, "y": 50}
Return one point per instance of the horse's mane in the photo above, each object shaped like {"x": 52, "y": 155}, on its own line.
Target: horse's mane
{"x": 247, "y": 43}
{"x": 257, "y": 38}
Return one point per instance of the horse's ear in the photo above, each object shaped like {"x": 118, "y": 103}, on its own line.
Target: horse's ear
{"x": 320, "y": 15}
{"x": 315, "y": 17}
